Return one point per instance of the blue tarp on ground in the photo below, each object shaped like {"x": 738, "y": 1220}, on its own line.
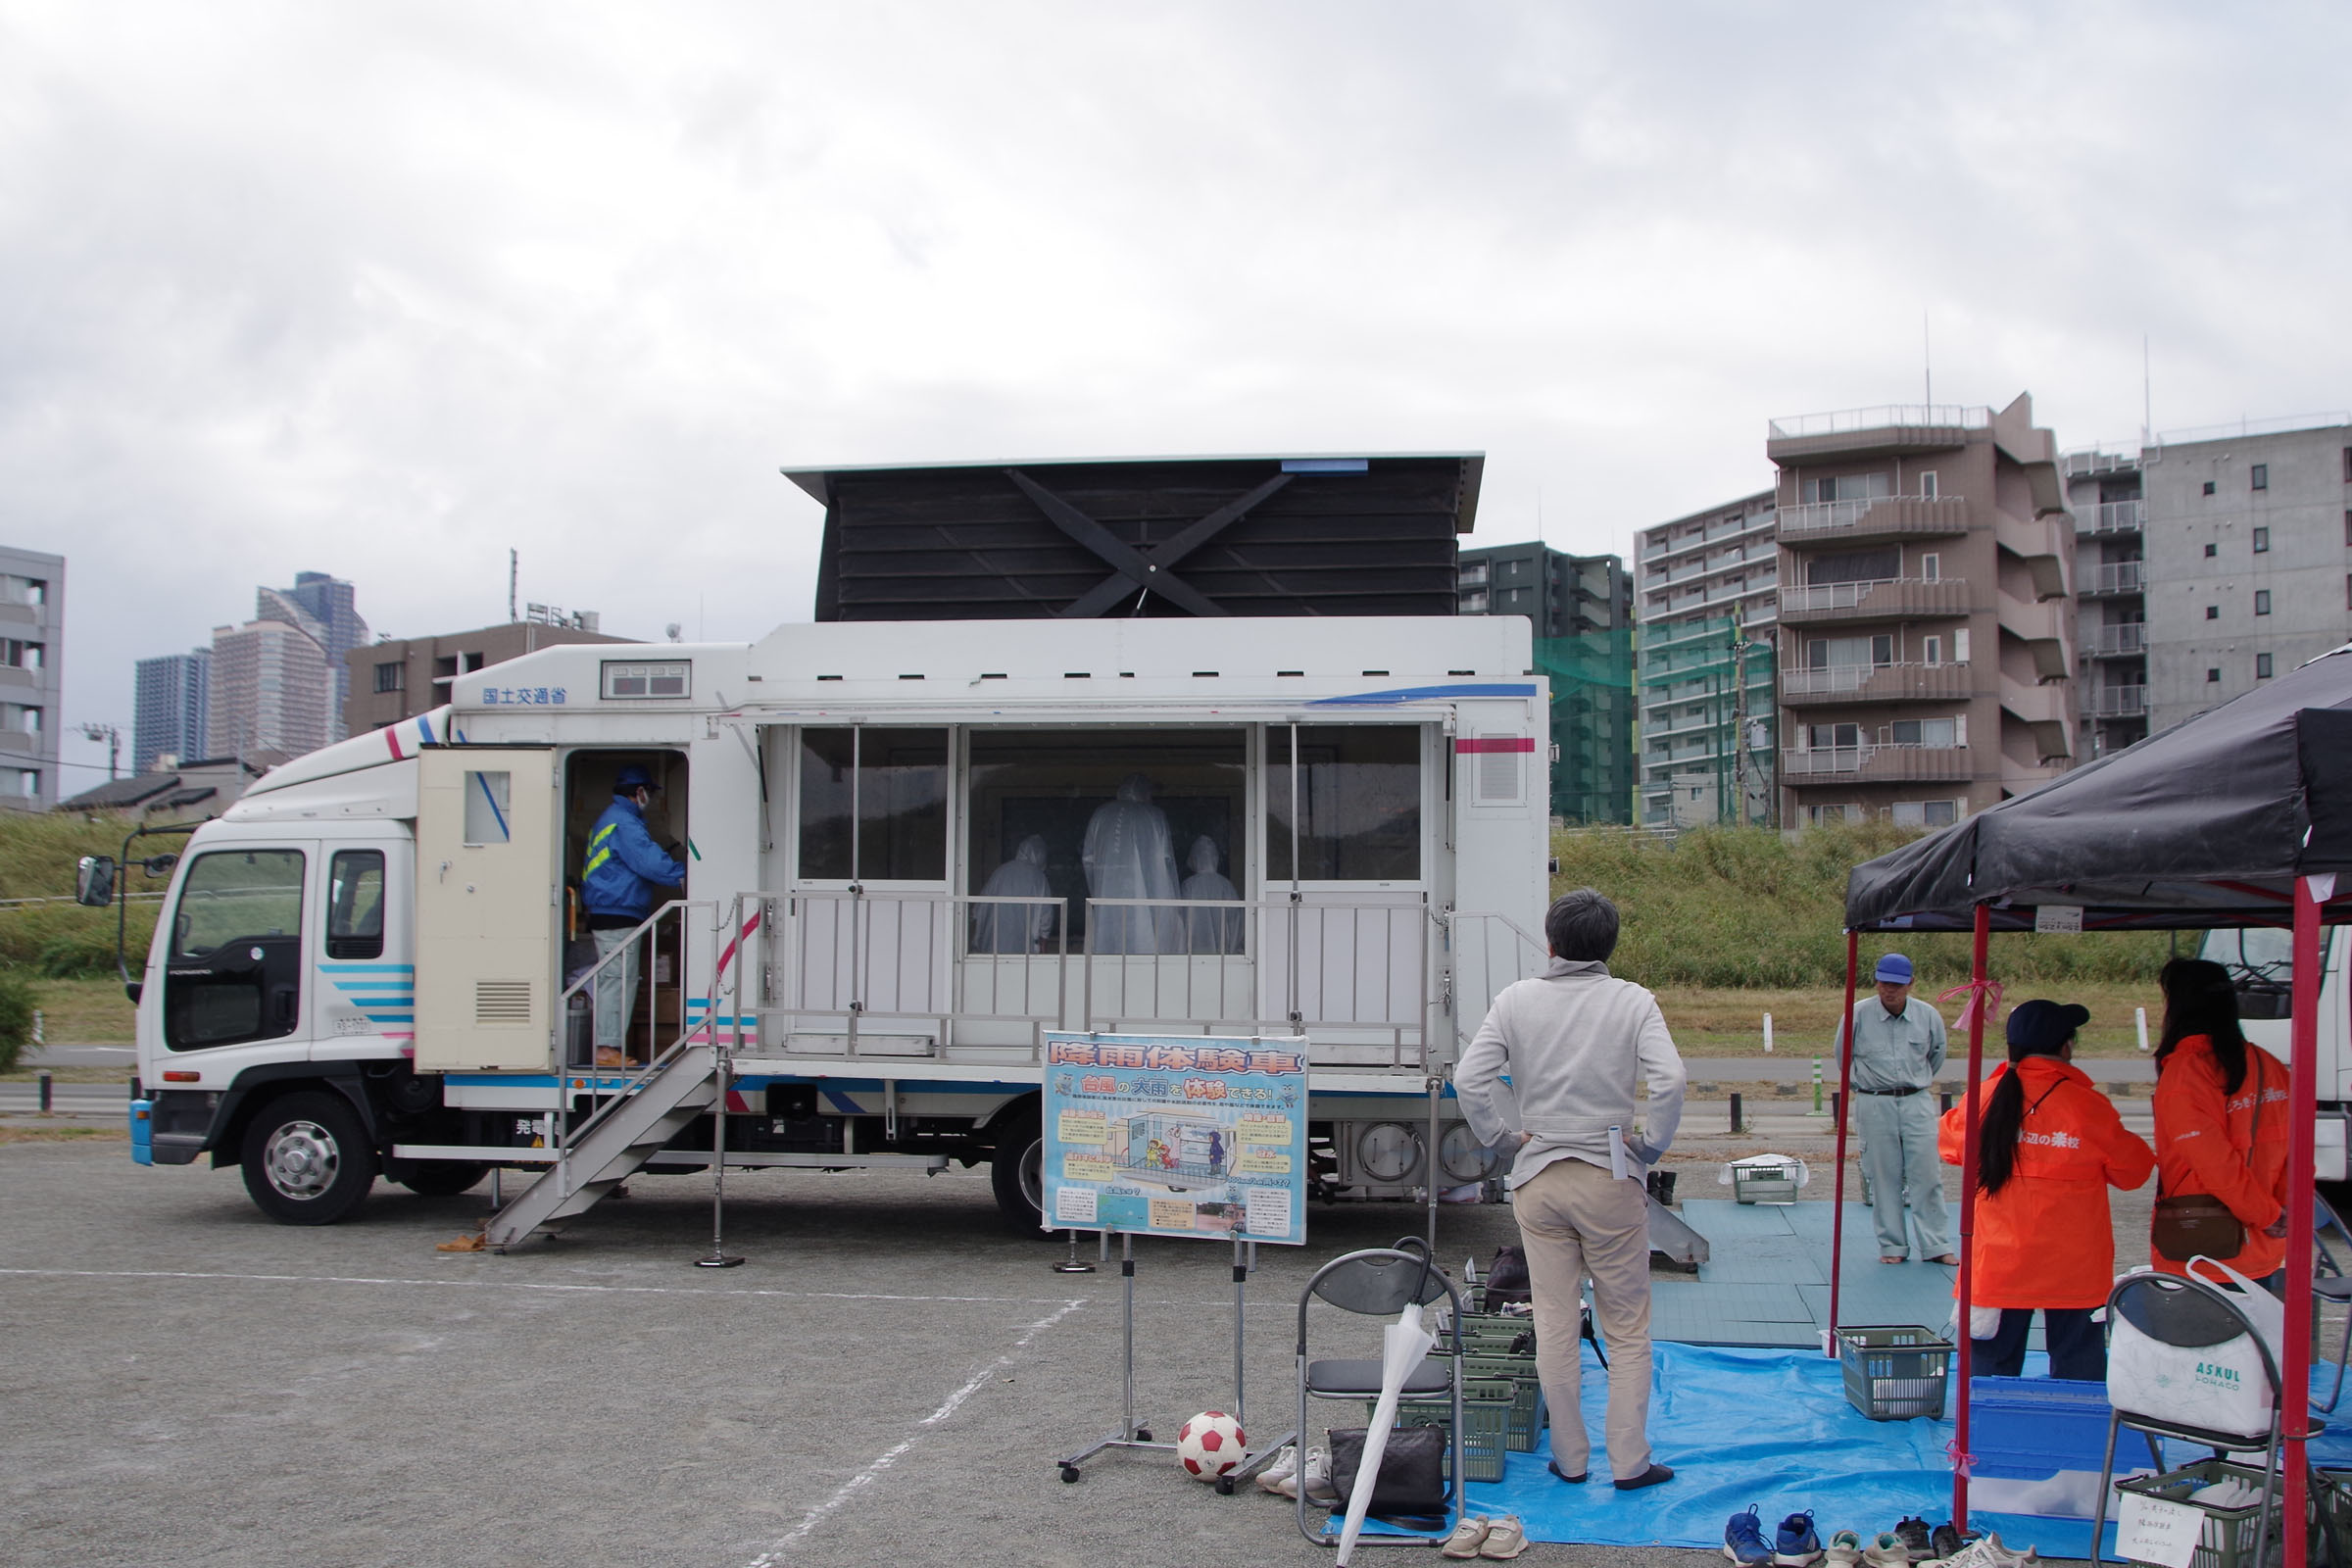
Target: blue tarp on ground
{"x": 1770, "y": 1427}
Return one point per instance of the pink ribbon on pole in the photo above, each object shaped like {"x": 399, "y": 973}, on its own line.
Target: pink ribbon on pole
{"x": 1985, "y": 994}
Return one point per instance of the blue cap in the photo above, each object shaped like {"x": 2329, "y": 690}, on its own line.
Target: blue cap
{"x": 1893, "y": 969}
{"x": 633, "y": 778}
{"x": 2044, "y": 1026}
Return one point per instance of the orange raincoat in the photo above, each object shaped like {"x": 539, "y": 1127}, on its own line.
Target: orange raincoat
{"x": 2046, "y": 1238}
{"x": 2203, "y": 1145}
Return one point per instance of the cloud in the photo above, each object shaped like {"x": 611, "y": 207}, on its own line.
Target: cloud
{"x": 385, "y": 293}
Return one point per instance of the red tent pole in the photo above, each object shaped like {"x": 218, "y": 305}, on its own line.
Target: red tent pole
{"x": 2302, "y": 1094}
{"x": 1971, "y": 1100}
{"x": 1846, "y": 1100}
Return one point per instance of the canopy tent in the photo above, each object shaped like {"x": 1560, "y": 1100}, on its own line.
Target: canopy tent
{"x": 2240, "y": 816}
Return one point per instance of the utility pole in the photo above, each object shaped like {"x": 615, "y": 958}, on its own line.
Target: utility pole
{"x": 513, "y": 571}
{"x": 114, "y": 744}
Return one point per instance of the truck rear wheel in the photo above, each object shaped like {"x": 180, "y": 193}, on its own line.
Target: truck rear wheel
{"x": 1017, "y": 1172}
{"x": 308, "y": 1161}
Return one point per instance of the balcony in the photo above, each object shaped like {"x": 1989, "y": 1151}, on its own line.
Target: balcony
{"x": 2090, "y": 464}
{"x": 1888, "y": 427}
{"x": 2116, "y": 577}
{"x": 1881, "y": 517}
{"x": 1888, "y": 598}
{"x": 2127, "y": 641}
{"x": 1877, "y": 764}
{"x": 2112, "y": 517}
{"x": 2117, "y": 702}
{"x": 1877, "y": 683}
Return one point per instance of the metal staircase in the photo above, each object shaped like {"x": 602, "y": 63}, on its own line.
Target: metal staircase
{"x": 614, "y": 1143}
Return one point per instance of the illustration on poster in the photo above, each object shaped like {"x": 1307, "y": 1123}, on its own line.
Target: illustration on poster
{"x": 1176, "y": 1137}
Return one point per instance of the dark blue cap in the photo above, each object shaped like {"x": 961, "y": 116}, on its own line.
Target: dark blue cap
{"x": 2043, "y": 1026}
{"x": 633, "y": 778}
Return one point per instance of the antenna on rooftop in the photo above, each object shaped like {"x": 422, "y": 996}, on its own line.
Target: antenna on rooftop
{"x": 513, "y": 568}
{"x": 1926, "y": 359}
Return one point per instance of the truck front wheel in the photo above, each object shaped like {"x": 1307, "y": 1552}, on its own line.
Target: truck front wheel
{"x": 308, "y": 1161}
{"x": 1017, "y": 1172}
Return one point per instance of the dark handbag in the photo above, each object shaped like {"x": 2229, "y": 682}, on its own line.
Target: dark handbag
{"x": 2189, "y": 1225}
{"x": 1506, "y": 1277}
{"x": 1411, "y": 1483}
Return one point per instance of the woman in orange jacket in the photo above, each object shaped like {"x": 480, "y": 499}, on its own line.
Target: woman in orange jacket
{"x": 2221, "y": 1123}
{"x": 2048, "y": 1147}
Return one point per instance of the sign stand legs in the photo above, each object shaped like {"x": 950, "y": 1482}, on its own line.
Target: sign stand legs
{"x": 1130, "y": 1435}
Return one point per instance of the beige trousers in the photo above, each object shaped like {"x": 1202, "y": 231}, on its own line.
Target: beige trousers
{"x": 1576, "y": 1220}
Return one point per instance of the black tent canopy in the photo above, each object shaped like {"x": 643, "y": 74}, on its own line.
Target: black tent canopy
{"x": 2206, "y": 824}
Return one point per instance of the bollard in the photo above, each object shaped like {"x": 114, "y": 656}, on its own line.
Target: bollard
{"x": 1946, "y": 1099}
{"x": 2139, "y": 1017}
{"x": 1816, "y": 1086}
{"x": 1837, "y": 1103}
{"x": 46, "y": 1093}
{"x": 38, "y": 1039}
{"x": 1768, "y": 1034}
{"x": 1736, "y": 1123}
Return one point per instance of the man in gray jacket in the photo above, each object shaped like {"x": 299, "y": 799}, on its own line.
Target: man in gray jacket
{"x": 1575, "y": 1044}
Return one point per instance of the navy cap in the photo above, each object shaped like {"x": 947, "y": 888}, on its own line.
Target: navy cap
{"x": 633, "y": 778}
{"x": 1893, "y": 969}
{"x": 2044, "y": 1026}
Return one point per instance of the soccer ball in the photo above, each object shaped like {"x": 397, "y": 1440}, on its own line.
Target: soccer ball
{"x": 1210, "y": 1444}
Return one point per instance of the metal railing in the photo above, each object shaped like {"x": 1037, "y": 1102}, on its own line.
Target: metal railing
{"x": 2132, "y": 637}
{"x": 2118, "y": 578}
{"x": 645, "y": 942}
{"x": 1902, "y": 595}
{"x": 1886, "y": 415}
{"x": 1920, "y": 513}
{"x": 1897, "y": 760}
{"x": 2119, "y": 702}
{"x": 1488, "y": 952}
{"x": 562, "y": 1132}
{"x": 864, "y": 963}
{"x": 2112, "y": 517}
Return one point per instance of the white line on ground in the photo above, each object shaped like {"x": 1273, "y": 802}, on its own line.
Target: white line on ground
{"x": 1066, "y": 1303}
{"x": 867, "y": 1477}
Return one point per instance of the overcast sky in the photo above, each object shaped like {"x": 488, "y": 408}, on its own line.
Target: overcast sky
{"x": 383, "y": 290}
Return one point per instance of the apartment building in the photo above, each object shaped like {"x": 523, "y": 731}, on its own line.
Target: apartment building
{"x": 2103, "y": 491}
{"x": 401, "y": 677}
{"x": 1583, "y": 611}
{"x": 33, "y": 640}
{"x": 2249, "y": 557}
{"x": 268, "y": 689}
{"x": 174, "y": 694}
{"x": 1709, "y": 603}
{"x": 1927, "y": 628}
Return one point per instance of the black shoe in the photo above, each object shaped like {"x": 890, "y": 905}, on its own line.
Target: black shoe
{"x": 1576, "y": 1480}
{"x": 1945, "y": 1541}
{"x": 1648, "y": 1478}
{"x": 1912, "y": 1534}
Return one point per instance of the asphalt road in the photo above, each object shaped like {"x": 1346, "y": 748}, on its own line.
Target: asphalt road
{"x": 63, "y": 1056}
{"x": 887, "y": 1379}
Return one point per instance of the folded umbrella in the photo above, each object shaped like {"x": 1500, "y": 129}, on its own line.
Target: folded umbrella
{"x": 1403, "y": 1345}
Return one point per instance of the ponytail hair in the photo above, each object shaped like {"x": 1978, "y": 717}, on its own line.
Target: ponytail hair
{"x": 2003, "y": 1119}
{"x": 2200, "y": 1000}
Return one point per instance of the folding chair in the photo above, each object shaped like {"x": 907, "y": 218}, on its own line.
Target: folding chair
{"x": 1377, "y": 1283}
{"x": 2199, "y": 1320}
{"x": 2332, "y": 1281}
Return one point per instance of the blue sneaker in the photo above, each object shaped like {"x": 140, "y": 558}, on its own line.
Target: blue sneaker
{"x": 1796, "y": 1546}
{"x": 1744, "y": 1540}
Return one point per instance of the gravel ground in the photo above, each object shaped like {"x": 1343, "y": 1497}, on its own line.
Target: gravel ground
{"x": 887, "y": 1379}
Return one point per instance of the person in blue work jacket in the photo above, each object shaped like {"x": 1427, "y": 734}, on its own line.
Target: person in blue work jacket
{"x": 624, "y": 871}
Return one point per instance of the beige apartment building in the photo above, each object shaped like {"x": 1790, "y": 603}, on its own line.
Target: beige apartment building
{"x": 1927, "y": 625}
{"x": 401, "y": 677}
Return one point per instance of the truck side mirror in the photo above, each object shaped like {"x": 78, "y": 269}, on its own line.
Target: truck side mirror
{"x": 94, "y": 881}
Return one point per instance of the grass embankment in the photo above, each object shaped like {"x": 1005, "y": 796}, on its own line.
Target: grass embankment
{"x": 1727, "y": 924}
{"x": 58, "y": 957}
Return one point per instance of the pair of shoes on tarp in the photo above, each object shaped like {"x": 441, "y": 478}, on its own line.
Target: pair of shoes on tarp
{"x": 1478, "y": 1535}
{"x": 1282, "y": 1476}
{"x": 1794, "y": 1544}
{"x": 1650, "y": 1477}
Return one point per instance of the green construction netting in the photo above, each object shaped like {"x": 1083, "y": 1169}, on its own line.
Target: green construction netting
{"x": 1594, "y": 719}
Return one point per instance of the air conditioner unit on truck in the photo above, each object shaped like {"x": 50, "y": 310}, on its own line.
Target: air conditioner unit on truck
{"x": 910, "y": 854}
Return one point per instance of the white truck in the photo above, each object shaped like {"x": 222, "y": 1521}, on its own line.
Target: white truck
{"x": 2261, "y": 961}
{"x": 373, "y": 962}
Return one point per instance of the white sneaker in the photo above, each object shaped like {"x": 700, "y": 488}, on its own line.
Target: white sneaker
{"x": 1316, "y": 1478}
{"x": 1274, "y": 1476}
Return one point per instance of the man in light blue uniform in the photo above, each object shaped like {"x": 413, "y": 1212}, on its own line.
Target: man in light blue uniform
{"x": 1898, "y": 1047}
{"x": 618, "y": 882}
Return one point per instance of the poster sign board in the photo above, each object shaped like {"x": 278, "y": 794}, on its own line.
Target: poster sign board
{"x": 2153, "y": 1531}
{"x": 1176, "y": 1135}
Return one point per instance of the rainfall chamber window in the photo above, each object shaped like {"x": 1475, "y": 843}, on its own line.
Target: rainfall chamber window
{"x": 1107, "y": 814}
{"x": 1351, "y": 811}
{"x": 873, "y": 805}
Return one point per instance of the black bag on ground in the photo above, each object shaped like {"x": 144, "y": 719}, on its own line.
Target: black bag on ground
{"x": 1506, "y": 1277}
{"x": 1411, "y": 1484}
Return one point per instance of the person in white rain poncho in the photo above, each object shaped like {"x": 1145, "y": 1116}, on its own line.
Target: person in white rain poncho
{"x": 1129, "y": 854}
{"x": 1210, "y": 930}
{"x": 1016, "y": 927}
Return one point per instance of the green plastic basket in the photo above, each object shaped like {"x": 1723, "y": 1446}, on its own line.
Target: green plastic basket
{"x": 1485, "y": 1423}
{"x": 1895, "y": 1372}
{"x": 2227, "y": 1537}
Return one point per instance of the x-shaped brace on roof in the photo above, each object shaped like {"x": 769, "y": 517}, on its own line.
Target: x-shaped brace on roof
{"x": 1133, "y": 571}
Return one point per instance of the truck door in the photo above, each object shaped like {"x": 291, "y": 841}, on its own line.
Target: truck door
{"x": 235, "y": 963}
{"x": 488, "y": 904}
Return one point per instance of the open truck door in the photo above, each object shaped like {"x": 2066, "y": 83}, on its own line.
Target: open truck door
{"x": 489, "y": 902}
